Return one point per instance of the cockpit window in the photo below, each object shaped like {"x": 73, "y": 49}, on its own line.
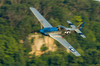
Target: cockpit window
{"x": 60, "y": 28}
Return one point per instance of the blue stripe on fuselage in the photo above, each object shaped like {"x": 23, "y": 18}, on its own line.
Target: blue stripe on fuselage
{"x": 49, "y": 29}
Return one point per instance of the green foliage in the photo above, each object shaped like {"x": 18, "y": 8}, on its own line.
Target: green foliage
{"x": 17, "y": 22}
{"x": 44, "y": 48}
{"x": 9, "y": 49}
{"x": 32, "y": 40}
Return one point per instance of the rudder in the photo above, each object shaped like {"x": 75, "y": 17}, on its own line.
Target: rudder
{"x": 81, "y": 25}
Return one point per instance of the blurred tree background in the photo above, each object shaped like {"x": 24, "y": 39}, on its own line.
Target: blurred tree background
{"x": 17, "y": 22}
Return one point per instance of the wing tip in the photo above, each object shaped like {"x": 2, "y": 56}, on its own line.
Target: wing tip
{"x": 84, "y": 36}
{"x": 31, "y": 7}
{"x": 78, "y": 55}
{"x": 68, "y": 22}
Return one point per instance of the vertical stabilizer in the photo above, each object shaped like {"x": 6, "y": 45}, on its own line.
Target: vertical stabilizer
{"x": 81, "y": 25}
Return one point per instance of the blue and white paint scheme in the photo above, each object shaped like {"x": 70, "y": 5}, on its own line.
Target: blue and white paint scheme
{"x": 48, "y": 29}
{"x": 58, "y": 32}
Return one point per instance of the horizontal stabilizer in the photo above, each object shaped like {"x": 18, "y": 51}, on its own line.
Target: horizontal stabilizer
{"x": 72, "y": 25}
{"x": 80, "y": 33}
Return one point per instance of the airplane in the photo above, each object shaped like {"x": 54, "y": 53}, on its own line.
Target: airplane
{"x": 58, "y": 32}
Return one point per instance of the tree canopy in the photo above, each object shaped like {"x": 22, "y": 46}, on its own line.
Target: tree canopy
{"x": 17, "y": 22}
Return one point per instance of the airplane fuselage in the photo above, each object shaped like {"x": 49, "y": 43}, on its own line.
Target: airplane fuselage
{"x": 55, "y": 30}
{"x": 45, "y": 31}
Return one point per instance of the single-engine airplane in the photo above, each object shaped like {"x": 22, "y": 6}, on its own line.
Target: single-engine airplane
{"x": 58, "y": 32}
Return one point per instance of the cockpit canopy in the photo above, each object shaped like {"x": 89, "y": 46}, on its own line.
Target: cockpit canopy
{"x": 61, "y": 27}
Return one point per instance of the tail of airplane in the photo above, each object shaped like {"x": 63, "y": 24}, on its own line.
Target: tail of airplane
{"x": 81, "y": 25}
{"x": 78, "y": 28}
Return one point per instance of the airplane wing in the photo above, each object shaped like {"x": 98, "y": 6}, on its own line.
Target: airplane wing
{"x": 42, "y": 20}
{"x": 64, "y": 43}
